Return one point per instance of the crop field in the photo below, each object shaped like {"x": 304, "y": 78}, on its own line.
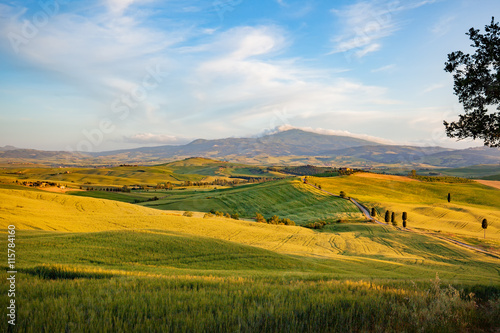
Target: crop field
{"x": 192, "y": 169}
{"x": 285, "y": 198}
{"x": 89, "y": 262}
{"x": 426, "y": 204}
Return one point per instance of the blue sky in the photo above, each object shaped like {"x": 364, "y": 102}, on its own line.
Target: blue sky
{"x": 110, "y": 74}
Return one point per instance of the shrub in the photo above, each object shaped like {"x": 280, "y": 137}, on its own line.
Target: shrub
{"x": 259, "y": 218}
{"x": 188, "y": 214}
{"x": 273, "y": 219}
{"x": 342, "y": 194}
{"x": 287, "y": 221}
{"x": 235, "y": 216}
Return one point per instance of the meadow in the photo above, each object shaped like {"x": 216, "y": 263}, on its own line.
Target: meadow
{"x": 88, "y": 262}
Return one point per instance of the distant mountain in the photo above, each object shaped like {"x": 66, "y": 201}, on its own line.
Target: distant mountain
{"x": 286, "y": 143}
{"x": 5, "y": 148}
{"x": 390, "y": 154}
{"x": 288, "y": 147}
{"x": 34, "y": 154}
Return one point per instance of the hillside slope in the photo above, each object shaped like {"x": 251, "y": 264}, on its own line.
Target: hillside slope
{"x": 347, "y": 250}
{"x": 426, "y": 203}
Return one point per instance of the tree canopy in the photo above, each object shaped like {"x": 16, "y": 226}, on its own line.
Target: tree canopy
{"x": 477, "y": 85}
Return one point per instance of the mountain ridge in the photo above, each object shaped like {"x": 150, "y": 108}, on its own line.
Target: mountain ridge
{"x": 293, "y": 146}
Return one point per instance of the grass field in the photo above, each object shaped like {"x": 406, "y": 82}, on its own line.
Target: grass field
{"x": 426, "y": 204}
{"x": 285, "y": 198}
{"x": 87, "y": 263}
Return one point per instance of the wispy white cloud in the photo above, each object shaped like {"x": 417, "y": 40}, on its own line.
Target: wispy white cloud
{"x": 332, "y": 132}
{"x": 149, "y": 138}
{"x": 443, "y": 26}
{"x": 387, "y": 68}
{"x": 366, "y": 23}
{"x": 433, "y": 87}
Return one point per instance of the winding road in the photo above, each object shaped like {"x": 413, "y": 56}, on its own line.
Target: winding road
{"x": 446, "y": 239}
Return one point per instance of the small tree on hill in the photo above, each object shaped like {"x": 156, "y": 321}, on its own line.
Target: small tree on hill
{"x": 387, "y": 216}
{"x": 259, "y": 218}
{"x": 393, "y": 217}
{"x": 273, "y": 220}
{"x": 484, "y": 225}
{"x": 373, "y": 213}
{"x": 405, "y": 217}
{"x": 449, "y": 197}
{"x": 342, "y": 194}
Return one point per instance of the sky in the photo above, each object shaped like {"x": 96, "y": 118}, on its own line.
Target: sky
{"x": 101, "y": 75}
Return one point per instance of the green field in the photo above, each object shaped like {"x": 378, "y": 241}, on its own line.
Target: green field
{"x": 488, "y": 171}
{"x": 87, "y": 262}
{"x": 285, "y": 198}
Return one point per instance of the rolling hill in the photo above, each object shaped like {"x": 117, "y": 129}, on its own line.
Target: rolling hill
{"x": 84, "y": 263}
{"x": 426, "y": 204}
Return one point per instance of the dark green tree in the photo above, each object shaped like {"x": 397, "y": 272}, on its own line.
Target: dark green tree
{"x": 449, "y": 197}
{"x": 477, "y": 85}
{"x": 484, "y": 224}
{"x": 393, "y": 217}
{"x": 343, "y": 195}
{"x": 387, "y": 216}
{"x": 404, "y": 218}
{"x": 373, "y": 212}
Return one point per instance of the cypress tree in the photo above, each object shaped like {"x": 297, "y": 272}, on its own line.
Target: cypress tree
{"x": 405, "y": 217}
{"x": 387, "y": 216}
{"x": 484, "y": 225}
